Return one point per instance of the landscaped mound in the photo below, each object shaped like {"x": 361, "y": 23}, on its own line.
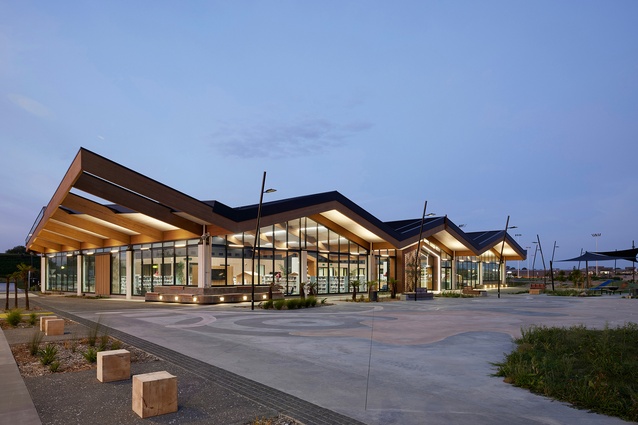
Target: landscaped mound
{"x": 591, "y": 369}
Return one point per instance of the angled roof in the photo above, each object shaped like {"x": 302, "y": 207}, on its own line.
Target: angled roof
{"x": 100, "y": 203}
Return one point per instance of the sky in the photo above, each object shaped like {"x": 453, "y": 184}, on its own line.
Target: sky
{"x": 490, "y": 109}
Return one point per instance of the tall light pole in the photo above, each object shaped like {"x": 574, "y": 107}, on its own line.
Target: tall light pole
{"x": 261, "y": 200}
{"x": 527, "y": 248}
{"x": 518, "y": 273}
{"x": 551, "y": 264}
{"x": 596, "y": 236}
{"x": 417, "y": 255}
{"x": 502, "y": 263}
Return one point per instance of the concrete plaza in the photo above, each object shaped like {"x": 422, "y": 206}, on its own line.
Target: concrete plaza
{"x": 426, "y": 362}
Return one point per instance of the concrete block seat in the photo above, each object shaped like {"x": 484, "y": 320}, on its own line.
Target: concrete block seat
{"x": 210, "y": 295}
{"x": 154, "y": 394}
{"x": 54, "y": 327}
{"x": 536, "y": 288}
{"x": 468, "y": 290}
{"x": 420, "y": 294}
{"x": 113, "y": 365}
{"x": 43, "y": 320}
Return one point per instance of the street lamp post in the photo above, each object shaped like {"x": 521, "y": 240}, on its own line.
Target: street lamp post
{"x": 518, "y": 273}
{"x": 417, "y": 255}
{"x": 596, "y": 236}
{"x": 261, "y": 199}
{"x": 501, "y": 265}
{"x": 551, "y": 264}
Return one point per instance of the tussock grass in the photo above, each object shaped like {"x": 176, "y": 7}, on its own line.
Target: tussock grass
{"x": 591, "y": 369}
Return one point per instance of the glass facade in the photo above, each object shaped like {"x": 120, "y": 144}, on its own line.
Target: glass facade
{"x": 284, "y": 252}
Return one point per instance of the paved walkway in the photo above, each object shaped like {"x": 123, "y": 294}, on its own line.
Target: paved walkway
{"x": 375, "y": 363}
{"x": 403, "y": 363}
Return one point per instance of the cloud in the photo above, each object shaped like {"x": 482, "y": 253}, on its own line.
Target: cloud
{"x": 307, "y": 137}
{"x": 31, "y": 106}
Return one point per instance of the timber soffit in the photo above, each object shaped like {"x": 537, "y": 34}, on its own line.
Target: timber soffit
{"x": 106, "y": 179}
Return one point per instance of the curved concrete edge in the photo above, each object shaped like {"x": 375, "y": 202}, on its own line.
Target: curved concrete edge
{"x": 16, "y": 405}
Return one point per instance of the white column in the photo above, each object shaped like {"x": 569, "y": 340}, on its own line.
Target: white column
{"x": 303, "y": 272}
{"x": 43, "y": 273}
{"x": 129, "y": 274}
{"x": 79, "y": 269}
{"x": 204, "y": 259}
{"x": 454, "y": 280}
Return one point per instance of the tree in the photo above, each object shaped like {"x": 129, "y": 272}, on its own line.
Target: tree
{"x": 24, "y": 273}
{"x": 20, "y": 249}
{"x": 393, "y": 283}
{"x": 576, "y": 276}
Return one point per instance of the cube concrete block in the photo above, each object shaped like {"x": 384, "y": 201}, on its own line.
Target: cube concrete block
{"x": 43, "y": 320}
{"x": 54, "y": 327}
{"x": 154, "y": 394}
{"x": 113, "y": 365}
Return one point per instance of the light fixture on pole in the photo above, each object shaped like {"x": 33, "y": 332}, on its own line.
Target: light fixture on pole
{"x": 518, "y": 272}
{"x": 501, "y": 265}
{"x": 551, "y": 264}
{"x": 596, "y": 236}
{"x": 261, "y": 199}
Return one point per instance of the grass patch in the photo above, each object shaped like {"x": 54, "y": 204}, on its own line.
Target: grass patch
{"x": 591, "y": 369}
{"x": 34, "y": 342}
{"x": 14, "y": 317}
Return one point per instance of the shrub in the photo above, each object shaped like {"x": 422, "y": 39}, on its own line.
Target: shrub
{"x": 14, "y": 317}
{"x": 33, "y": 318}
{"x": 323, "y": 300}
{"x": 54, "y": 366}
{"x": 311, "y": 301}
{"x": 48, "y": 354}
{"x": 90, "y": 355}
{"x": 34, "y": 343}
{"x": 267, "y": 304}
{"x": 279, "y": 304}
{"x": 294, "y": 303}
{"x": 93, "y": 333}
{"x": 104, "y": 342}
{"x": 116, "y": 344}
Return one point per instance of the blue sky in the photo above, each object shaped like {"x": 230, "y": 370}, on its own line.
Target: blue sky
{"x": 484, "y": 109}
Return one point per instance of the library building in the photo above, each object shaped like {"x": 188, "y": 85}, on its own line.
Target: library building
{"x": 111, "y": 231}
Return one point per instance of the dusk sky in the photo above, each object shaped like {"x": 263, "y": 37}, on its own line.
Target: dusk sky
{"x": 483, "y": 108}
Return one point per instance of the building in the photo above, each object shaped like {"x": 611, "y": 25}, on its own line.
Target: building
{"x": 110, "y": 230}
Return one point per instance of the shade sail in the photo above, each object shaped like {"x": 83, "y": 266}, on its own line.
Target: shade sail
{"x": 626, "y": 254}
{"x": 591, "y": 256}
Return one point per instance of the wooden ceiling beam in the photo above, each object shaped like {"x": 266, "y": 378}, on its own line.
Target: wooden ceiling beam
{"x": 83, "y": 205}
{"x": 49, "y": 235}
{"x": 138, "y": 183}
{"x": 117, "y": 195}
{"x": 48, "y": 245}
{"x": 90, "y": 226}
{"x": 74, "y": 234}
